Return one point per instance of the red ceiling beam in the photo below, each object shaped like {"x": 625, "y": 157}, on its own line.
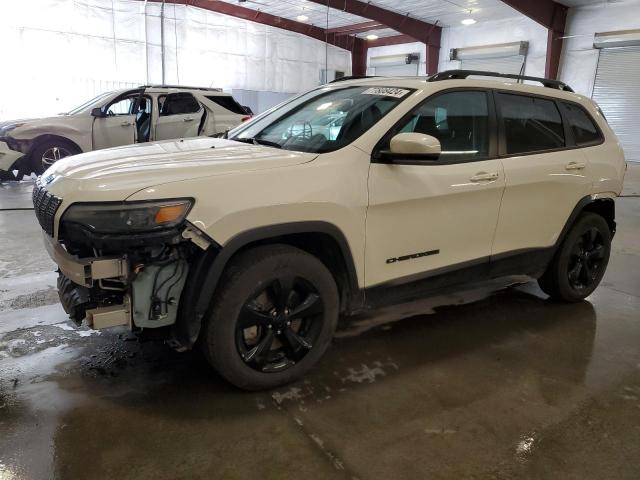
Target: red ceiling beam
{"x": 420, "y": 30}
{"x": 356, "y": 28}
{"x": 411, "y": 28}
{"x": 393, "y": 40}
{"x": 545, "y": 12}
{"x": 551, "y": 15}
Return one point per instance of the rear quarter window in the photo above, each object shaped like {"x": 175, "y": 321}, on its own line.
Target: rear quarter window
{"x": 228, "y": 103}
{"x": 585, "y": 131}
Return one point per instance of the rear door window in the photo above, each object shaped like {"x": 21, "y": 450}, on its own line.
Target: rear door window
{"x": 582, "y": 125}
{"x": 530, "y": 124}
{"x": 178, "y": 104}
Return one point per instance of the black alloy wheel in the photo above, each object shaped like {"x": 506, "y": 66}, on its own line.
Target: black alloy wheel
{"x": 272, "y": 317}
{"x": 278, "y": 325}
{"x": 580, "y": 262}
{"x": 586, "y": 260}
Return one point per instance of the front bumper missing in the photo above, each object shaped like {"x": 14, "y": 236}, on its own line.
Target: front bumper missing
{"x": 110, "y": 316}
{"x": 8, "y": 157}
{"x": 84, "y": 271}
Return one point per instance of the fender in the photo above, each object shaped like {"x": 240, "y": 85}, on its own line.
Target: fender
{"x": 208, "y": 269}
{"x": 584, "y": 205}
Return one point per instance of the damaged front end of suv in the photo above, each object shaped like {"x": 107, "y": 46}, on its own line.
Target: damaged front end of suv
{"x": 121, "y": 263}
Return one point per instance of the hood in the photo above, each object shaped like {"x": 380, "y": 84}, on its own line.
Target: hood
{"x": 125, "y": 170}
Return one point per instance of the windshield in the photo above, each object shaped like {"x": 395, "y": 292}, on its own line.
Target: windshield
{"x": 322, "y": 120}
{"x": 91, "y": 104}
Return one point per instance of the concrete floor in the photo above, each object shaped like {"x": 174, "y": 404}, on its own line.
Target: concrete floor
{"x": 498, "y": 385}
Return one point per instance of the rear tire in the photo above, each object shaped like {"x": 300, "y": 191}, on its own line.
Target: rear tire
{"x": 272, "y": 318}
{"x": 47, "y": 152}
{"x": 580, "y": 263}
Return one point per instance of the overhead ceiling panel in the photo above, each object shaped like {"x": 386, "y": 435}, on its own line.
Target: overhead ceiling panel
{"x": 445, "y": 13}
{"x": 450, "y": 13}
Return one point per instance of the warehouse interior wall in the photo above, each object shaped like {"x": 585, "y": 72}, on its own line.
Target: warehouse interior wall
{"x": 579, "y": 59}
{"x": 518, "y": 28}
{"x": 59, "y": 53}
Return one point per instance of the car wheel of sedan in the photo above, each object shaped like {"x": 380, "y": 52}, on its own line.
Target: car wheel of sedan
{"x": 273, "y": 318}
{"x": 46, "y": 153}
{"x": 581, "y": 261}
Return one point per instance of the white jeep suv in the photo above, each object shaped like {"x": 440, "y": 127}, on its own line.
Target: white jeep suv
{"x": 253, "y": 245}
{"x": 122, "y": 117}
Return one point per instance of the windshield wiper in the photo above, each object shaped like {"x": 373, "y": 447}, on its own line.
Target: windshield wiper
{"x": 257, "y": 141}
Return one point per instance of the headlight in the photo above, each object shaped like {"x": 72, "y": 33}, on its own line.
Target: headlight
{"x": 7, "y": 128}
{"x": 128, "y": 217}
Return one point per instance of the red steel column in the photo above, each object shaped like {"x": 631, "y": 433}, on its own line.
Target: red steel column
{"x": 433, "y": 56}
{"x": 359, "y": 57}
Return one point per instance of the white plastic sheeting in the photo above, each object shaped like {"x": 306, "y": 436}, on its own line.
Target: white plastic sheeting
{"x": 58, "y": 53}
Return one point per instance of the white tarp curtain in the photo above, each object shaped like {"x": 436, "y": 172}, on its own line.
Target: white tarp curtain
{"x": 58, "y": 53}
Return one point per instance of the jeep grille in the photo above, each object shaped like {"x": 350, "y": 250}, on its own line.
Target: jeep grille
{"x": 45, "y": 206}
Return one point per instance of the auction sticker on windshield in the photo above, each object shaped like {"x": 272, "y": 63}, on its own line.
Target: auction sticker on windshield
{"x": 386, "y": 91}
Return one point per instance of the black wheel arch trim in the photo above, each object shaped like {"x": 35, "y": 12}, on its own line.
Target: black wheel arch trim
{"x": 208, "y": 268}
{"x": 580, "y": 207}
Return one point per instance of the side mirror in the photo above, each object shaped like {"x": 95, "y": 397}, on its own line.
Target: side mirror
{"x": 412, "y": 148}
{"x": 97, "y": 112}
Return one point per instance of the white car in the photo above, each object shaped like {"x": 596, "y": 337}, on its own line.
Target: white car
{"x": 123, "y": 117}
{"x": 251, "y": 246}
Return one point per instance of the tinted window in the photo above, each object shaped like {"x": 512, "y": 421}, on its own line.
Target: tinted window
{"x": 530, "y": 124}
{"x": 229, "y": 103}
{"x": 460, "y": 120}
{"x": 583, "y": 128}
{"x": 323, "y": 120}
{"x": 178, "y": 103}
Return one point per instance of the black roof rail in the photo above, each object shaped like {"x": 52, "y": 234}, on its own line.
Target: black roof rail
{"x": 462, "y": 74}
{"x": 352, "y": 77}
{"x": 185, "y": 87}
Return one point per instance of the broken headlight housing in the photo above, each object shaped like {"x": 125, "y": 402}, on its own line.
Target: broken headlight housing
{"x": 128, "y": 217}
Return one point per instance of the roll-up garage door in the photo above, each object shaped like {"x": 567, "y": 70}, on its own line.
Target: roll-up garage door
{"x": 617, "y": 91}
{"x": 403, "y": 65}
{"x": 501, "y": 58}
{"x": 511, "y": 65}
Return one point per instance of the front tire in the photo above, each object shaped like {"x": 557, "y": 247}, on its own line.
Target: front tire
{"x": 272, "y": 319}
{"x": 580, "y": 263}
{"x": 47, "y": 152}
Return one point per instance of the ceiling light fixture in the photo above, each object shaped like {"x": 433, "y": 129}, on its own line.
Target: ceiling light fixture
{"x": 302, "y": 18}
{"x": 468, "y": 21}
{"x": 372, "y": 37}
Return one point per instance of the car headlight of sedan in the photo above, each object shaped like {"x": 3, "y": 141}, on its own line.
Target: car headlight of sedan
{"x": 4, "y": 130}
{"x": 128, "y": 217}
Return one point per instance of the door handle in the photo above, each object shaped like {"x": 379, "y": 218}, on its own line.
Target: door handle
{"x": 126, "y": 124}
{"x": 484, "y": 177}
{"x": 574, "y": 166}
{"x": 188, "y": 119}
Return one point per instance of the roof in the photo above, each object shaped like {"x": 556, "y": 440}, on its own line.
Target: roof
{"x": 424, "y": 83}
{"x": 183, "y": 87}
